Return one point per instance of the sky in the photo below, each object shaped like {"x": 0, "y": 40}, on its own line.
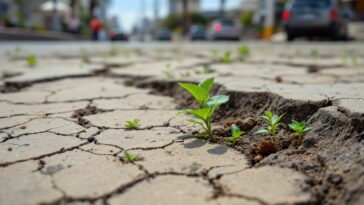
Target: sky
{"x": 128, "y": 11}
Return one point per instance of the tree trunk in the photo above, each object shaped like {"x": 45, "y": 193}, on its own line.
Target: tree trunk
{"x": 73, "y": 7}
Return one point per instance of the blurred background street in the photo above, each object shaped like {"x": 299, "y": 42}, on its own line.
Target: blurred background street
{"x": 181, "y": 20}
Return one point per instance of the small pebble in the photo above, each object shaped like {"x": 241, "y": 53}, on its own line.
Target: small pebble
{"x": 91, "y": 139}
{"x": 10, "y": 149}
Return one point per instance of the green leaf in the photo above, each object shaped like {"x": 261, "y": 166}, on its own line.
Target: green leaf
{"x": 207, "y": 84}
{"x": 235, "y": 131}
{"x": 307, "y": 129}
{"x": 203, "y": 114}
{"x": 199, "y": 93}
{"x": 195, "y": 121}
{"x": 262, "y": 130}
{"x": 268, "y": 114}
{"x": 276, "y": 119}
{"x": 217, "y": 100}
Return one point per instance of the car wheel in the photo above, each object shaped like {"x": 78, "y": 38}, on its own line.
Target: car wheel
{"x": 290, "y": 37}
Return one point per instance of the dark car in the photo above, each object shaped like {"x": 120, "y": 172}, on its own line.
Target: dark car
{"x": 197, "y": 33}
{"x": 311, "y": 18}
{"x": 163, "y": 35}
{"x": 119, "y": 36}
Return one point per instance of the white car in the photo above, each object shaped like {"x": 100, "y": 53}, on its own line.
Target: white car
{"x": 224, "y": 29}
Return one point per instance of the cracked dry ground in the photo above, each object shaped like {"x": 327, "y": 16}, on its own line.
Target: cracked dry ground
{"x": 62, "y": 133}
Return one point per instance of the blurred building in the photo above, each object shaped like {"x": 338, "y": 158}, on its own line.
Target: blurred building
{"x": 38, "y": 14}
{"x": 176, "y": 6}
{"x": 358, "y": 8}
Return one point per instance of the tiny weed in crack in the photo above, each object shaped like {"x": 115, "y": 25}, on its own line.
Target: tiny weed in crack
{"x": 244, "y": 52}
{"x": 130, "y": 157}
{"x": 226, "y": 58}
{"x": 236, "y": 133}
{"x": 208, "y": 69}
{"x": 300, "y": 128}
{"x": 274, "y": 122}
{"x": 208, "y": 105}
{"x": 132, "y": 124}
{"x": 32, "y": 61}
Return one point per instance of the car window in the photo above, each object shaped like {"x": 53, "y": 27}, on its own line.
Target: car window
{"x": 227, "y": 23}
{"x": 317, "y": 4}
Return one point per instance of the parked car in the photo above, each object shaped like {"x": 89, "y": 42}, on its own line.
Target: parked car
{"x": 224, "y": 29}
{"x": 163, "y": 35}
{"x": 197, "y": 33}
{"x": 311, "y": 18}
{"x": 118, "y": 36}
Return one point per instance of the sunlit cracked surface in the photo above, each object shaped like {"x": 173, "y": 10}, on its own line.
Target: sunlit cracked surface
{"x": 55, "y": 149}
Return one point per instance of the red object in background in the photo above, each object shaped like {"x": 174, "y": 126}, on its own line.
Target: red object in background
{"x": 286, "y": 15}
{"x": 95, "y": 24}
{"x": 218, "y": 27}
{"x": 333, "y": 15}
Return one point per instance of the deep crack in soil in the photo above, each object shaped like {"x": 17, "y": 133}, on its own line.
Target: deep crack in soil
{"x": 331, "y": 155}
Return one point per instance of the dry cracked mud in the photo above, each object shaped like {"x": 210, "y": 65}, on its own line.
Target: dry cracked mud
{"x": 63, "y": 140}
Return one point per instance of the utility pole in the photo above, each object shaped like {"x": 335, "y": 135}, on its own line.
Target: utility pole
{"x": 269, "y": 19}
{"x": 156, "y": 10}
{"x": 222, "y": 8}
{"x": 55, "y": 17}
{"x": 185, "y": 17}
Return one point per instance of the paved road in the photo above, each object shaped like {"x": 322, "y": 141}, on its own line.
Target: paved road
{"x": 63, "y": 139}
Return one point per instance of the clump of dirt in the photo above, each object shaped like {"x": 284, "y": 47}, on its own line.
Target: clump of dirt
{"x": 89, "y": 110}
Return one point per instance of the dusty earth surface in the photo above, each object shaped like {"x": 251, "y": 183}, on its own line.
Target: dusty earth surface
{"x": 63, "y": 140}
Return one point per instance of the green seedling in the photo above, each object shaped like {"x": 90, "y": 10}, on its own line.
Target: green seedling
{"x": 185, "y": 74}
{"x": 354, "y": 60}
{"x": 214, "y": 55}
{"x": 175, "y": 50}
{"x": 274, "y": 122}
{"x": 314, "y": 54}
{"x": 85, "y": 57}
{"x": 300, "y": 128}
{"x": 226, "y": 58}
{"x": 113, "y": 52}
{"x": 32, "y": 61}
{"x": 132, "y": 124}
{"x": 130, "y": 157}
{"x": 208, "y": 69}
{"x": 244, "y": 52}
{"x": 236, "y": 133}
{"x": 208, "y": 105}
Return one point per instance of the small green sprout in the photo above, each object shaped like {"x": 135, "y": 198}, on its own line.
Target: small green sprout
{"x": 185, "y": 74}
{"x": 132, "y": 124}
{"x": 214, "y": 55}
{"x": 85, "y": 57}
{"x": 130, "y": 157}
{"x": 175, "y": 50}
{"x": 208, "y": 69}
{"x": 274, "y": 122}
{"x": 300, "y": 128}
{"x": 236, "y": 133}
{"x": 244, "y": 52}
{"x": 168, "y": 72}
{"x": 208, "y": 105}
{"x": 354, "y": 60}
{"x": 32, "y": 61}
{"x": 113, "y": 52}
{"x": 314, "y": 54}
{"x": 226, "y": 58}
